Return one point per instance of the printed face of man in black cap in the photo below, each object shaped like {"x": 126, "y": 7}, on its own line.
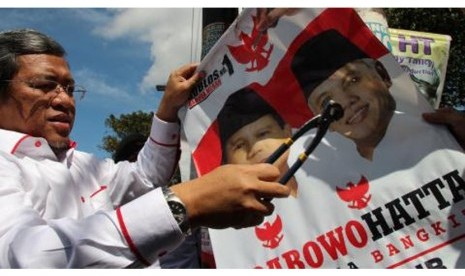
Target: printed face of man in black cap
{"x": 251, "y": 130}
{"x": 362, "y": 89}
{"x": 256, "y": 141}
{"x": 329, "y": 66}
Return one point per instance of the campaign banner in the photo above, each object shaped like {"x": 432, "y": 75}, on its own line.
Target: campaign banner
{"x": 424, "y": 56}
{"x": 383, "y": 189}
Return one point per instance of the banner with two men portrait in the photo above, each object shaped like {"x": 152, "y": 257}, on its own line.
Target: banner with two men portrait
{"x": 383, "y": 188}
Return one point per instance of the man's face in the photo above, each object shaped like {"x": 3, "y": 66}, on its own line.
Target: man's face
{"x": 366, "y": 100}
{"x": 35, "y": 112}
{"x": 253, "y": 143}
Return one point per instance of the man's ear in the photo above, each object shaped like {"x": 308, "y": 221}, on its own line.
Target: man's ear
{"x": 383, "y": 73}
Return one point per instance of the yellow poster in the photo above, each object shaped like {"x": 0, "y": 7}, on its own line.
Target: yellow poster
{"x": 424, "y": 56}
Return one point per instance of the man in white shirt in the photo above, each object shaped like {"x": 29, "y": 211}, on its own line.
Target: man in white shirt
{"x": 361, "y": 85}
{"x": 65, "y": 208}
{"x": 358, "y": 83}
{"x": 395, "y": 155}
{"x": 251, "y": 131}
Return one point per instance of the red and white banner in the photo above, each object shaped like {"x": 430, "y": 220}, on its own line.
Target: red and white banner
{"x": 383, "y": 189}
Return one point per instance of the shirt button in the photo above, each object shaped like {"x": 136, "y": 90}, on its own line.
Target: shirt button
{"x": 38, "y": 144}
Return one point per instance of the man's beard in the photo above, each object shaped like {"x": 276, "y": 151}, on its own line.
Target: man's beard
{"x": 59, "y": 148}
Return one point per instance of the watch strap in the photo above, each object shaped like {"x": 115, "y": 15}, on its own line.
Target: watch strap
{"x": 178, "y": 209}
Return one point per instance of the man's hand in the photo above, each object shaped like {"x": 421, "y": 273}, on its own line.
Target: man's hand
{"x": 231, "y": 196}
{"x": 268, "y": 18}
{"x": 180, "y": 84}
{"x": 453, "y": 119}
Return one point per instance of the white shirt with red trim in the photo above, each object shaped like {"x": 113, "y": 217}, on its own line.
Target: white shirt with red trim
{"x": 81, "y": 211}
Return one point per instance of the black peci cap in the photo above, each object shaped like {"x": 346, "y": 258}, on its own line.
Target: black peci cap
{"x": 240, "y": 109}
{"x": 321, "y": 56}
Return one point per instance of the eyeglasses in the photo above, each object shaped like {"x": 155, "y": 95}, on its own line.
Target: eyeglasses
{"x": 47, "y": 86}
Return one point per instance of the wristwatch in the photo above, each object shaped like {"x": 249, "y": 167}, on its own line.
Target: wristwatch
{"x": 178, "y": 209}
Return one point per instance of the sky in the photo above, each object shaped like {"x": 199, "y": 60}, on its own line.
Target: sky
{"x": 118, "y": 55}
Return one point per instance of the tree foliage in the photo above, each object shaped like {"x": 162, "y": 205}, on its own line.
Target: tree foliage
{"x": 441, "y": 21}
{"x": 123, "y": 125}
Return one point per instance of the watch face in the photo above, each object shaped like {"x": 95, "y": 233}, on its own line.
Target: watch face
{"x": 178, "y": 210}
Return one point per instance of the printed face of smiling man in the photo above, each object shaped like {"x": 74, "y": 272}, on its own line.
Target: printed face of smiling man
{"x": 255, "y": 142}
{"x": 362, "y": 88}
